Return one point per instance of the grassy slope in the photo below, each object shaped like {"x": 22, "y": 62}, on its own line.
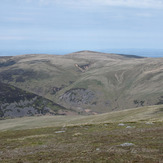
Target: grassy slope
{"x": 150, "y": 113}
{"x": 118, "y": 81}
{"x": 84, "y": 139}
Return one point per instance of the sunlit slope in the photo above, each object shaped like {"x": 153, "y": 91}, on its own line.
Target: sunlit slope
{"x": 147, "y": 114}
{"x": 89, "y": 82}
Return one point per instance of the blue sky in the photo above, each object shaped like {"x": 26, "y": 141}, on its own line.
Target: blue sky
{"x": 60, "y": 26}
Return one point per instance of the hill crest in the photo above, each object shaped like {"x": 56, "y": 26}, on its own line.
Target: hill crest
{"x": 87, "y": 82}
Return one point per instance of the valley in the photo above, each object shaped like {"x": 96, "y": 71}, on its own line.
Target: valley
{"x": 81, "y": 107}
{"x": 87, "y": 82}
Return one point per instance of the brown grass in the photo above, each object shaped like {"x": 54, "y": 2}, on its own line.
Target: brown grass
{"x": 84, "y": 139}
{"x": 85, "y": 143}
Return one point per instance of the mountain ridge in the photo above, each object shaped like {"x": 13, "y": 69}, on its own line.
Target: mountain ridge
{"x": 95, "y": 52}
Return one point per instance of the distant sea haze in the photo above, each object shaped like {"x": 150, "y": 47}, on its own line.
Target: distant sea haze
{"x": 139, "y": 52}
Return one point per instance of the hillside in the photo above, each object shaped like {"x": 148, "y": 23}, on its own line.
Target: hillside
{"x": 132, "y": 135}
{"x": 141, "y": 114}
{"x": 15, "y": 102}
{"x": 88, "y": 82}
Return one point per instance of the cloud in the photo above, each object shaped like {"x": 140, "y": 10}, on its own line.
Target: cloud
{"x": 18, "y": 19}
{"x": 89, "y": 3}
{"x": 133, "y": 3}
{"x": 146, "y": 15}
{"x": 10, "y": 38}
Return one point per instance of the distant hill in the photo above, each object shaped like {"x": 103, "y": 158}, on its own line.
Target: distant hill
{"x": 87, "y": 82}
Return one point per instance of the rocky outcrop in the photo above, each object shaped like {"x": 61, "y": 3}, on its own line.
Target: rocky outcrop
{"x": 78, "y": 96}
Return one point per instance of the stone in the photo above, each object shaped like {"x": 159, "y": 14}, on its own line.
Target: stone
{"x": 127, "y": 144}
{"x": 129, "y": 127}
{"x": 149, "y": 123}
{"x": 58, "y": 132}
{"x": 121, "y": 124}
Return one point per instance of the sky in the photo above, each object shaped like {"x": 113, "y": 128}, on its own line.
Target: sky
{"x": 63, "y": 26}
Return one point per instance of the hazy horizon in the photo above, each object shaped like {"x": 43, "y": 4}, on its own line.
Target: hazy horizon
{"x": 61, "y": 27}
{"x": 126, "y": 51}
